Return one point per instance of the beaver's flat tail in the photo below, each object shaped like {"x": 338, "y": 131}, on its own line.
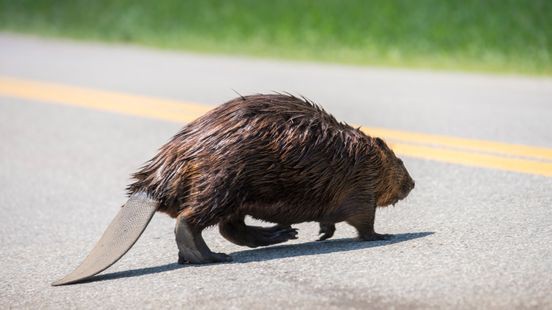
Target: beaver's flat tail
{"x": 117, "y": 239}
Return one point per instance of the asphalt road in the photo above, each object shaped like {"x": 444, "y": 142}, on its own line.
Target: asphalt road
{"x": 466, "y": 237}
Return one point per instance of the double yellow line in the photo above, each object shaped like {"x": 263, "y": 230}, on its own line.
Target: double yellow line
{"x": 479, "y": 153}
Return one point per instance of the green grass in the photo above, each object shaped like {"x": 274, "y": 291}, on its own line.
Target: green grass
{"x": 482, "y": 35}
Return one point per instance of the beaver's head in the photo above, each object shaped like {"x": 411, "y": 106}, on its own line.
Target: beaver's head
{"x": 395, "y": 183}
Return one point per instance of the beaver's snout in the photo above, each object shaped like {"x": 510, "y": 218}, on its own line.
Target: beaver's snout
{"x": 407, "y": 186}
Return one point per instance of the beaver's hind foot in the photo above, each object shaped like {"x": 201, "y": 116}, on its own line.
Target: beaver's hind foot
{"x": 235, "y": 231}
{"x": 191, "y": 246}
{"x": 186, "y": 258}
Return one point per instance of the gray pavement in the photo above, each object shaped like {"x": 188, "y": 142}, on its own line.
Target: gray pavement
{"x": 466, "y": 237}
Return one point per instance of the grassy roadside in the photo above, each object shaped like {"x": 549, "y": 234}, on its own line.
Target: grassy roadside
{"x": 512, "y": 36}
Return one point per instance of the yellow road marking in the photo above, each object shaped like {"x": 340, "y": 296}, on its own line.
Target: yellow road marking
{"x": 433, "y": 147}
{"x": 474, "y": 159}
{"x": 462, "y": 143}
{"x": 164, "y": 109}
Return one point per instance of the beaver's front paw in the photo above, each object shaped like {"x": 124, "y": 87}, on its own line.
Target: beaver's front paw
{"x": 326, "y": 230}
{"x": 375, "y": 237}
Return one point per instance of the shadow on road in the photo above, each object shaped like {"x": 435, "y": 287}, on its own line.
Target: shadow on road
{"x": 318, "y": 247}
{"x": 274, "y": 252}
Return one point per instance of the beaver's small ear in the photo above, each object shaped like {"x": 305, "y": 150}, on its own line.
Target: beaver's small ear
{"x": 380, "y": 143}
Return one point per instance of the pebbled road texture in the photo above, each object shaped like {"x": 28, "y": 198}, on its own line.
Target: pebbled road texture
{"x": 466, "y": 237}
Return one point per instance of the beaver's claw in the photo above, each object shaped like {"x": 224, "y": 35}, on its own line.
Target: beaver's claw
{"x": 326, "y": 231}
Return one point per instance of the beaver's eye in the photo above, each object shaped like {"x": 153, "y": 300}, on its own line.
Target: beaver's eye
{"x": 400, "y": 161}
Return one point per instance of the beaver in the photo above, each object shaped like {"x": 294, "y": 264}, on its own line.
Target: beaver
{"x": 275, "y": 157}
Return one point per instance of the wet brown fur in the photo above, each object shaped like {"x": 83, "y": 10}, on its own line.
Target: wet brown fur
{"x": 274, "y": 157}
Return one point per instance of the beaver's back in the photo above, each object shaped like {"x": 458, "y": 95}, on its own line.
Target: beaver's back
{"x": 269, "y": 150}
